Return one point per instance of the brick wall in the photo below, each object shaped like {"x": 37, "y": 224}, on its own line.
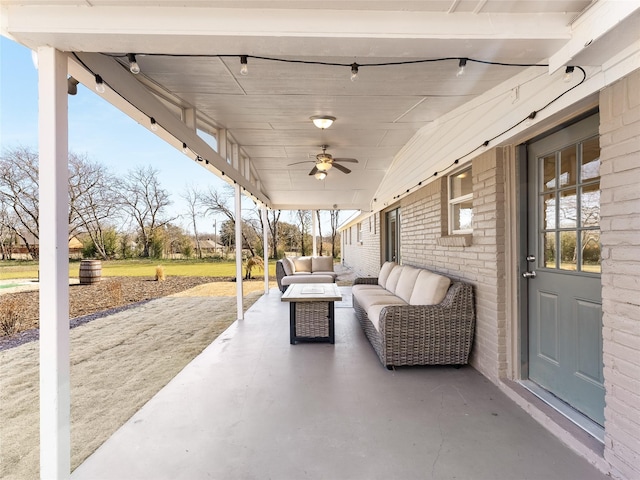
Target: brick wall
{"x": 364, "y": 258}
{"x": 620, "y": 223}
{"x": 423, "y": 221}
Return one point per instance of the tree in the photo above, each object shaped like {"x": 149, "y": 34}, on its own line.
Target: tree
{"x": 334, "y": 230}
{"x": 19, "y": 191}
{"x": 217, "y": 202}
{"x": 273, "y": 229}
{"x": 192, "y": 196}
{"x": 91, "y": 202}
{"x": 319, "y": 231}
{"x": 303, "y": 218}
{"x": 142, "y": 197}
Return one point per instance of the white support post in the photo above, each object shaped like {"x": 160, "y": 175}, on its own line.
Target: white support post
{"x": 265, "y": 243}
{"x": 55, "y": 394}
{"x": 239, "y": 292}
{"x": 314, "y": 229}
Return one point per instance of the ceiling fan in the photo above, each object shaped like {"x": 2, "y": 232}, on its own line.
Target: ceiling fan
{"x": 325, "y": 161}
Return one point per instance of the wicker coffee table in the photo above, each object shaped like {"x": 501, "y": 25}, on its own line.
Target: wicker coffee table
{"x": 311, "y": 311}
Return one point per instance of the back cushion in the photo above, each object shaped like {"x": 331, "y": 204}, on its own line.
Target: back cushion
{"x": 430, "y": 288}
{"x": 406, "y": 282}
{"x": 303, "y": 264}
{"x": 394, "y": 276}
{"x": 321, "y": 264}
{"x": 288, "y": 266}
{"x": 385, "y": 270}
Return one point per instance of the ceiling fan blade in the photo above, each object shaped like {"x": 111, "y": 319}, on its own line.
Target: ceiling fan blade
{"x": 298, "y": 163}
{"x": 349, "y": 160}
{"x": 342, "y": 168}
{"x": 314, "y": 170}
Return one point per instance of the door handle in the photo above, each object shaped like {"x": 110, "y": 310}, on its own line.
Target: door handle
{"x": 529, "y": 274}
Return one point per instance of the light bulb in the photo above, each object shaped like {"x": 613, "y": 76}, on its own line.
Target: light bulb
{"x": 154, "y": 124}
{"x": 354, "y": 72}
{"x": 320, "y": 175}
{"x": 185, "y": 149}
{"x": 461, "y": 64}
{"x": 133, "y": 65}
{"x": 99, "y": 84}
{"x": 568, "y": 74}
{"x": 244, "y": 68}
{"x": 530, "y": 118}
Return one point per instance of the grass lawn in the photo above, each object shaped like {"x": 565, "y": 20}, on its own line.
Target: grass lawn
{"x": 136, "y": 268}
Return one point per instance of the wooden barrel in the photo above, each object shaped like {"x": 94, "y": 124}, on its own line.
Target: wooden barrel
{"x": 90, "y": 271}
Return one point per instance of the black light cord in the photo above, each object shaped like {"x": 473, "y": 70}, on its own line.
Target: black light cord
{"x": 486, "y": 143}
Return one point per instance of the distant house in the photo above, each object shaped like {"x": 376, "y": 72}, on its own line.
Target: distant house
{"x": 20, "y": 250}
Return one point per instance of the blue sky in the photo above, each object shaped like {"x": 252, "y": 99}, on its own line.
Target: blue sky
{"x": 96, "y": 128}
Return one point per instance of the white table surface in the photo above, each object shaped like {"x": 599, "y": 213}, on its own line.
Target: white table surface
{"x": 312, "y": 292}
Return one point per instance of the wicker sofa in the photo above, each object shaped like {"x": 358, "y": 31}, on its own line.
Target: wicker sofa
{"x": 305, "y": 269}
{"x": 413, "y": 316}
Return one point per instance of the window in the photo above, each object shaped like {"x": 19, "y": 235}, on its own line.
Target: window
{"x": 359, "y": 232}
{"x": 461, "y": 202}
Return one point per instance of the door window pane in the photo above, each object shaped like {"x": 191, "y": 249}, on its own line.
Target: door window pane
{"x": 549, "y": 211}
{"x": 568, "y": 211}
{"x": 549, "y": 240}
{"x": 590, "y": 206}
{"x": 549, "y": 173}
{"x": 568, "y": 252}
{"x": 590, "y": 168}
{"x": 591, "y": 254}
{"x": 568, "y": 166}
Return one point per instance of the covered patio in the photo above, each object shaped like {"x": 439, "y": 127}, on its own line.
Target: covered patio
{"x": 254, "y": 406}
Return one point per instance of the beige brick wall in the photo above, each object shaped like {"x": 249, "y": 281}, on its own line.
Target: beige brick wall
{"x": 423, "y": 221}
{"x": 364, "y": 257}
{"x": 620, "y": 224}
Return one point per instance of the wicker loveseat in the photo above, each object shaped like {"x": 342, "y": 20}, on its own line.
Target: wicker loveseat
{"x": 306, "y": 269}
{"x": 413, "y": 316}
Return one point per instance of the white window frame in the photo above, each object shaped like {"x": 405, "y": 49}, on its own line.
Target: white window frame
{"x": 457, "y": 200}
{"x": 359, "y": 232}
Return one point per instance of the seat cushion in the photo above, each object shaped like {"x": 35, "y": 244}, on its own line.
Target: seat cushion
{"x": 331, "y": 274}
{"x": 288, "y": 265}
{"x": 303, "y": 264}
{"x": 394, "y": 276}
{"x": 406, "y": 282}
{"x": 367, "y": 298}
{"x": 373, "y": 312}
{"x": 430, "y": 288}
{"x": 385, "y": 270}
{"x": 322, "y": 264}
{"x": 291, "y": 279}
{"x": 364, "y": 286}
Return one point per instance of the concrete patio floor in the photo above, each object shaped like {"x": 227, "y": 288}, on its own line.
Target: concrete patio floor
{"x": 252, "y": 406}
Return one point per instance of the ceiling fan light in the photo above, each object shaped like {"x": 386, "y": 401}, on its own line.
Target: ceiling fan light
{"x": 323, "y": 121}
{"x": 323, "y": 166}
{"x": 321, "y": 175}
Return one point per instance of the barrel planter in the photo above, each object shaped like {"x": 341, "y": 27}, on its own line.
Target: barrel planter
{"x": 90, "y": 271}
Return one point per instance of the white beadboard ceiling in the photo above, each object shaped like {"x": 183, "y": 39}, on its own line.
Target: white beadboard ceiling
{"x": 267, "y": 111}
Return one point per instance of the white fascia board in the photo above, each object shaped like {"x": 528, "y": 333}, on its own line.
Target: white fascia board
{"x": 135, "y": 100}
{"x": 601, "y": 18}
{"x": 190, "y": 30}
{"x": 354, "y": 219}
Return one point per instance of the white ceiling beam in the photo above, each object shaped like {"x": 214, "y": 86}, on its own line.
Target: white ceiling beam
{"x": 601, "y": 18}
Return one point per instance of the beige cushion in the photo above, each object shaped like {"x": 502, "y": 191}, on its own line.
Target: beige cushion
{"x": 430, "y": 288}
{"x": 373, "y": 312}
{"x": 406, "y": 282}
{"x": 385, "y": 270}
{"x": 364, "y": 286}
{"x": 291, "y": 279}
{"x": 366, "y": 298}
{"x": 289, "y": 267}
{"x": 303, "y": 264}
{"x": 394, "y": 276}
{"x": 322, "y": 264}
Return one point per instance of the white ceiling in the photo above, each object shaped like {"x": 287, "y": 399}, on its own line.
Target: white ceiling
{"x": 267, "y": 111}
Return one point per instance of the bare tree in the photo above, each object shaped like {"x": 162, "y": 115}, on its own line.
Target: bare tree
{"x": 273, "y": 229}
{"x": 192, "y": 196}
{"x": 19, "y": 191}
{"x": 334, "y": 230}
{"x": 92, "y": 202}
{"x": 303, "y": 218}
{"x": 319, "y": 231}
{"x": 142, "y": 197}
{"x": 217, "y": 202}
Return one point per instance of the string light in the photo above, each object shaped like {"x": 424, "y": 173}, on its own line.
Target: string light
{"x": 133, "y": 64}
{"x": 461, "y": 64}
{"x": 185, "y": 149}
{"x": 154, "y": 124}
{"x": 354, "y": 72}
{"x": 568, "y": 74}
{"x": 99, "y": 84}
{"x": 244, "y": 68}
